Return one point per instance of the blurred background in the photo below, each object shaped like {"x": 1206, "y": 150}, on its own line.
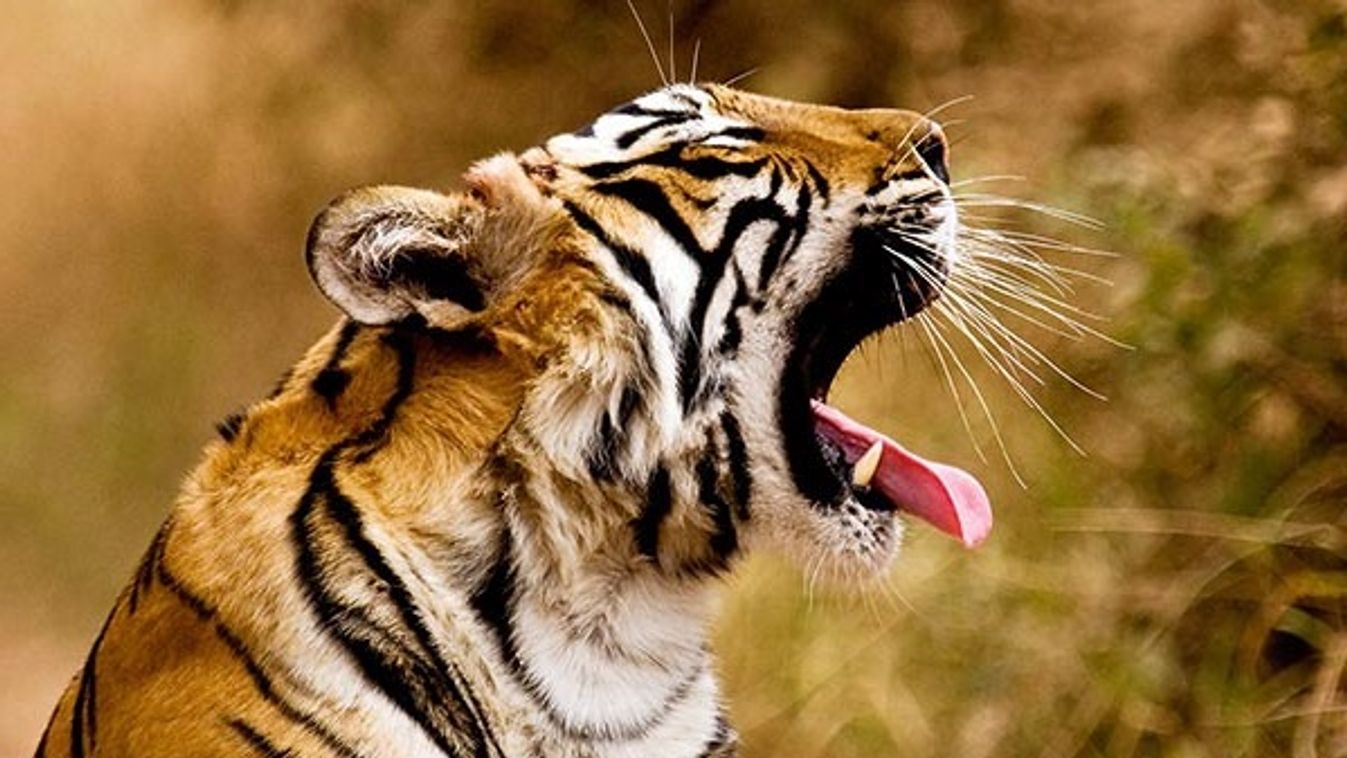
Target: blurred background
{"x": 1180, "y": 589}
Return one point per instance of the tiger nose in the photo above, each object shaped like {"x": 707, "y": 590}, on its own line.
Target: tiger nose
{"x": 932, "y": 148}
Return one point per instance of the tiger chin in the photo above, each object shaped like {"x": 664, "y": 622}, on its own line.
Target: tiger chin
{"x": 487, "y": 514}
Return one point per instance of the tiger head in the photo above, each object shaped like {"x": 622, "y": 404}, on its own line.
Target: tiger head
{"x": 682, "y": 279}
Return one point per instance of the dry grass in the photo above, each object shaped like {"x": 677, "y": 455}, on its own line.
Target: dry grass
{"x": 1180, "y": 590}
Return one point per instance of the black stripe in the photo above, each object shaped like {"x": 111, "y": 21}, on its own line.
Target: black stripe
{"x": 600, "y": 459}
{"x": 256, "y": 740}
{"x": 417, "y": 679}
{"x": 400, "y": 673}
{"x": 84, "y": 712}
{"x": 821, "y": 185}
{"x": 634, "y": 108}
{"x": 702, "y": 204}
{"x": 619, "y": 301}
{"x": 646, "y": 369}
{"x": 228, "y": 428}
{"x": 737, "y": 453}
{"x": 196, "y": 605}
{"x": 329, "y": 384}
{"x": 744, "y": 214}
{"x": 650, "y": 198}
{"x": 779, "y": 250}
{"x": 747, "y": 133}
{"x": 629, "y": 138}
{"x": 259, "y": 678}
{"x": 626, "y": 406}
{"x": 633, "y": 263}
{"x": 445, "y": 681}
{"x": 733, "y": 333}
{"x": 914, "y": 174}
{"x": 724, "y": 539}
{"x": 349, "y": 330}
{"x": 145, "y": 572}
{"x": 493, "y": 601}
{"x": 685, "y": 99}
{"x": 606, "y": 448}
{"x": 689, "y": 368}
{"x": 882, "y": 181}
{"x": 722, "y": 743}
{"x": 772, "y": 253}
{"x": 804, "y": 204}
{"x": 331, "y": 381}
{"x": 368, "y": 441}
{"x": 707, "y": 167}
{"x": 41, "y": 751}
{"x": 281, "y": 382}
{"x": 658, "y": 505}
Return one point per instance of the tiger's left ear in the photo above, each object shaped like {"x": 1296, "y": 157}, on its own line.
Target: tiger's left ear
{"x": 385, "y": 253}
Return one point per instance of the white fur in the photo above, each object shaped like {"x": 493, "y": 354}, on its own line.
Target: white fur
{"x": 618, "y": 677}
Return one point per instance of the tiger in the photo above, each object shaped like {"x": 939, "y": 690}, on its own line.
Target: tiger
{"x": 491, "y": 511}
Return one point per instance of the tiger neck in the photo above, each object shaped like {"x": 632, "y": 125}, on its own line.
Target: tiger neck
{"x": 607, "y": 645}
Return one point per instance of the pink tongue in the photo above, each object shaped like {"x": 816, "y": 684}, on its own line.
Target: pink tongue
{"x": 950, "y": 499}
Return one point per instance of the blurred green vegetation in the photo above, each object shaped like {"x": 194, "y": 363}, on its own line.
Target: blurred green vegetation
{"x": 1180, "y": 590}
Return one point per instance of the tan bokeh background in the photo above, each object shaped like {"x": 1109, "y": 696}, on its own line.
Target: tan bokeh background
{"x": 1179, "y": 591}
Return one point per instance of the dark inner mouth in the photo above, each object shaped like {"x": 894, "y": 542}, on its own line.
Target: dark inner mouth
{"x": 876, "y": 291}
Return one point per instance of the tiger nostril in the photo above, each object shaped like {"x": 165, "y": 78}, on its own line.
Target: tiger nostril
{"x": 933, "y": 149}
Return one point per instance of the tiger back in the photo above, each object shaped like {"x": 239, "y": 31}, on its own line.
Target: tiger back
{"x": 488, "y": 513}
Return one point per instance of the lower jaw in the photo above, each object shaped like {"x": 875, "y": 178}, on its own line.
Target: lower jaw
{"x": 850, "y": 545}
{"x": 835, "y": 459}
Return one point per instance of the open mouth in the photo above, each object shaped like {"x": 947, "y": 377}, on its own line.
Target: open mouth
{"x": 834, "y": 458}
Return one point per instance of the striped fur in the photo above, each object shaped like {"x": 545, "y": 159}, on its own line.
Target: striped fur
{"x": 485, "y": 516}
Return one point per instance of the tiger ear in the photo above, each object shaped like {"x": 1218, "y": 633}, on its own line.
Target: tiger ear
{"x": 383, "y": 254}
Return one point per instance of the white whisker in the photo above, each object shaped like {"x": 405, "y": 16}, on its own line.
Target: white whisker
{"x": 969, "y": 293}
{"x": 982, "y": 401}
{"x": 923, "y": 320}
{"x": 955, "y": 310}
{"x": 1027, "y": 348}
{"x": 985, "y": 299}
{"x": 673, "y": 59}
{"x": 987, "y": 178}
{"x": 941, "y": 108}
{"x": 733, "y": 80}
{"x": 996, "y": 201}
{"x": 1048, "y": 243}
{"x": 649, "y": 45}
{"x": 963, "y": 313}
{"x": 1015, "y": 384}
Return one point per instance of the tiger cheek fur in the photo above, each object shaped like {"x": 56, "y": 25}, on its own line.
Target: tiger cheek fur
{"x": 486, "y": 514}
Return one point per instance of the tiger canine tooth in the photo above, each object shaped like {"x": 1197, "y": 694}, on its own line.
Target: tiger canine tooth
{"x": 864, "y": 470}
